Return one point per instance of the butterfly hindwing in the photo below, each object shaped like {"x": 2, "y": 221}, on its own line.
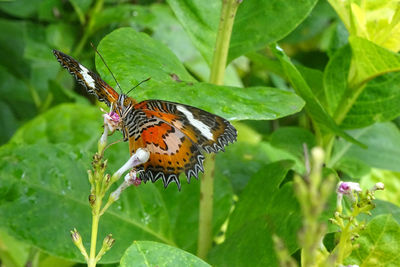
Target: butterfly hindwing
{"x": 171, "y": 151}
{"x": 211, "y": 132}
{"x": 93, "y": 83}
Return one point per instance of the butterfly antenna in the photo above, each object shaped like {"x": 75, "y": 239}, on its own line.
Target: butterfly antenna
{"x": 102, "y": 59}
{"x": 138, "y": 85}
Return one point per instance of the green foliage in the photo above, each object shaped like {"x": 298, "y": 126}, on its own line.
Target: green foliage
{"x": 135, "y": 55}
{"x": 57, "y": 187}
{"x": 379, "y": 243}
{"x": 336, "y": 59}
{"x": 145, "y": 253}
{"x": 251, "y": 225}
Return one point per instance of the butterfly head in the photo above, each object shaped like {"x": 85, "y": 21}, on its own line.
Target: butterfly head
{"x": 124, "y": 105}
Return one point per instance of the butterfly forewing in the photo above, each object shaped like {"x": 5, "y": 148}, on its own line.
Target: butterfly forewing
{"x": 93, "y": 83}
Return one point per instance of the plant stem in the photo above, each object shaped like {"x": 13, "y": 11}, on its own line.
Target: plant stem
{"x": 228, "y": 12}
{"x": 88, "y": 31}
{"x": 95, "y": 228}
{"x": 206, "y": 207}
{"x": 229, "y": 8}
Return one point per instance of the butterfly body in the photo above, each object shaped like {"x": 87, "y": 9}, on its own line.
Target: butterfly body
{"x": 175, "y": 134}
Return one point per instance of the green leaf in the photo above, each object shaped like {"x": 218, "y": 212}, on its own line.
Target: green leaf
{"x": 12, "y": 45}
{"x": 383, "y": 147}
{"x": 335, "y": 77}
{"x": 353, "y": 167}
{"x": 252, "y": 29}
{"x": 263, "y": 209}
{"x": 316, "y": 23}
{"x": 200, "y": 20}
{"x": 44, "y": 172}
{"x": 78, "y": 125}
{"x": 313, "y": 106}
{"x": 240, "y": 162}
{"x": 292, "y": 140}
{"x": 134, "y": 56}
{"x": 48, "y": 10}
{"x": 371, "y": 60}
{"x": 61, "y": 36}
{"x": 8, "y": 121}
{"x": 382, "y": 208}
{"x": 378, "y": 101}
{"x": 20, "y": 8}
{"x": 147, "y": 253}
{"x": 13, "y": 253}
{"x": 379, "y": 244}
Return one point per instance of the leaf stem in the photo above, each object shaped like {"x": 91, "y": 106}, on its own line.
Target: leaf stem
{"x": 218, "y": 66}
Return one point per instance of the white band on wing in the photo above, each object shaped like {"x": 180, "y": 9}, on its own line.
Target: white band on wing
{"x": 87, "y": 77}
{"x": 204, "y": 129}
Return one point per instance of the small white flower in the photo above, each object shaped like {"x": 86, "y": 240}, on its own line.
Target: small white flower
{"x": 347, "y": 188}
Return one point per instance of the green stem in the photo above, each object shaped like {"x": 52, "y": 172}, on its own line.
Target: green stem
{"x": 93, "y": 241}
{"x": 218, "y": 66}
{"x": 89, "y": 27}
{"x": 95, "y": 227}
{"x": 228, "y": 12}
{"x": 206, "y": 207}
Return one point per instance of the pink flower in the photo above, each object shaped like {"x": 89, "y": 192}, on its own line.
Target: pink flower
{"x": 112, "y": 121}
{"x": 346, "y": 188}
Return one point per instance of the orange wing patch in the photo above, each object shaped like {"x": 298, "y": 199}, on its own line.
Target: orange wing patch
{"x": 171, "y": 153}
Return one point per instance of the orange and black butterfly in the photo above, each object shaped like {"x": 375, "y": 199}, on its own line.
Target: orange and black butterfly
{"x": 175, "y": 134}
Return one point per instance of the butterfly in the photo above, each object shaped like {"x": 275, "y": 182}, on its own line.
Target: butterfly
{"x": 176, "y": 135}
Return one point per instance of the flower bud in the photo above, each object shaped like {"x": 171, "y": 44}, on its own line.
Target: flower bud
{"x": 378, "y": 186}
{"x": 108, "y": 242}
{"x": 76, "y": 237}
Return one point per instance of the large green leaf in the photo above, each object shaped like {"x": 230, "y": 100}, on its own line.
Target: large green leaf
{"x": 383, "y": 147}
{"x": 147, "y": 253}
{"x": 21, "y": 8}
{"x": 378, "y": 244}
{"x": 371, "y": 60}
{"x": 379, "y": 102}
{"x": 335, "y": 78}
{"x": 255, "y": 24}
{"x": 292, "y": 140}
{"x": 313, "y": 106}
{"x": 263, "y": 209}
{"x": 262, "y": 22}
{"x": 380, "y": 97}
{"x": 200, "y": 20}
{"x": 134, "y": 56}
{"x": 43, "y": 179}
